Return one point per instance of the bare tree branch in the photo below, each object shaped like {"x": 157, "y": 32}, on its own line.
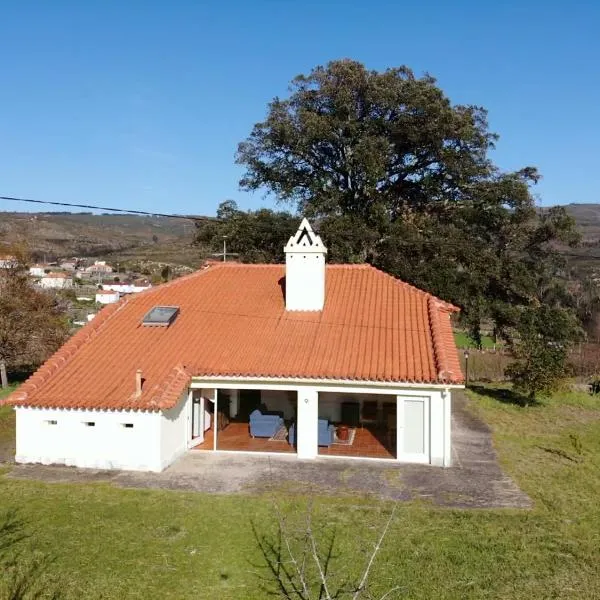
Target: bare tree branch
{"x": 365, "y": 576}
{"x": 317, "y": 560}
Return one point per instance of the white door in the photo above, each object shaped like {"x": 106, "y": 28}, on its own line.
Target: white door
{"x": 197, "y": 419}
{"x": 413, "y": 429}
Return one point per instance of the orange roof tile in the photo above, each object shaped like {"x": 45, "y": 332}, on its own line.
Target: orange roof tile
{"x": 233, "y": 323}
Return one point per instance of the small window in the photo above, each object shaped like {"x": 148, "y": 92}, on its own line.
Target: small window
{"x": 51, "y": 422}
{"x": 90, "y": 423}
{"x": 127, "y": 425}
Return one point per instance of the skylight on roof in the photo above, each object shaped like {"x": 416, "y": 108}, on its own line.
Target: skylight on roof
{"x": 161, "y": 316}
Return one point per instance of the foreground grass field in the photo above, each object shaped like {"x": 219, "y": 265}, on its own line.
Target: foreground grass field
{"x": 102, "y": 542}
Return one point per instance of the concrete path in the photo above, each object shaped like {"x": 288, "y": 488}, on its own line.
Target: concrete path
{"x": 475, "y": 480}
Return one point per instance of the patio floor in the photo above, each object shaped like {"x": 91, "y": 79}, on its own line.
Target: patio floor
{"x": 236, "y": 437}
{"x": 368, "y": 443}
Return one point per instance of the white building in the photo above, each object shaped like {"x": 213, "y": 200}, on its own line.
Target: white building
{"x": 38, "y": 270}
{"x": 127, "y": 287}
{"x": 98, "y": 268}
{"x": 8, "y": 261}
{"x": 68, "y": 265}
{"x": 56, "y": 280}
{"x": 107, "y": 297}
{"x": 308, "y": 359}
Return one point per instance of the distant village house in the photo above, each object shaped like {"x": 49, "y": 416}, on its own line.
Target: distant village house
{"x": 8, "y": 261}
{"x": 107, "y": 296}
{"x": 98, "y": 268}
{"x": 38, "y": 270}
{"x": 127, "y": 287}
{"x": 56, "y": 280}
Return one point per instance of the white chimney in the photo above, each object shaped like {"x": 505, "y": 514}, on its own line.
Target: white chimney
{"x": 305, "y": 270}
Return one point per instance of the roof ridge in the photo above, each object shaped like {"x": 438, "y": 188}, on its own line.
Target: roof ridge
{"x": 61, "y": 357}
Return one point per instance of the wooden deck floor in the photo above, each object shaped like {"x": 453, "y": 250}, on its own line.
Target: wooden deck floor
{"x": 369, "y": 442}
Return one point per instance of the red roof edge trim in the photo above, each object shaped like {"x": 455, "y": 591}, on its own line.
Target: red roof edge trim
{"x": 435, "y": 306}
{"x": 61, "y": 357}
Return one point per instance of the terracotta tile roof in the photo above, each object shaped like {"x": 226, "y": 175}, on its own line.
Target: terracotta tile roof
{"x": 233, "y": 322}
{"x": 56, "y": 275}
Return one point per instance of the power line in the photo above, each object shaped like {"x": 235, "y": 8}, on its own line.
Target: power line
{"x": 204, "y": 219}
{"x": 119, "y": 210}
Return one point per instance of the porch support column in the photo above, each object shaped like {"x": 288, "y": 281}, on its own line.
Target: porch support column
{"x": 307, "y": 423}
{"x": 447, "y": 398}
{"x": 216, "y": 420}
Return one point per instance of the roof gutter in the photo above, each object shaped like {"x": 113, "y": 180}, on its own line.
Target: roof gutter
{"x": 204, "y": 381}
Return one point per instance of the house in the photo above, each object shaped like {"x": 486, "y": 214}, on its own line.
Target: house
{"x": 307, "y": 359}
{"x": 98, "y": 268}
{"x": 107, "y": 296}
{"x": 127, "y": 287}
{"x": 8, "y": 261}
{"x": 38, "y": 270}
{"x": 68, "y": 265}
{"x": 56, "y": 280}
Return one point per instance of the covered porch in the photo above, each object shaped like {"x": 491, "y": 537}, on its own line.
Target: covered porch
{"x": 282, "y": 421}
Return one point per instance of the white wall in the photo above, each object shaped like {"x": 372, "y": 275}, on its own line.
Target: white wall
{"x": 106, "y": 445}
{"x": 107, "y": 298}
{"x": 56, "y": 282}
{"x": 126, "y": 288}
{"x": 175, "y": 431}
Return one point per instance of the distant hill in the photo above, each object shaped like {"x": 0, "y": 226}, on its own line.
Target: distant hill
{"x": 131, "y": 238}
{"x": 585, "y": 259}
{"x": 114, "y": 237}
{"x": 587, "y": 217}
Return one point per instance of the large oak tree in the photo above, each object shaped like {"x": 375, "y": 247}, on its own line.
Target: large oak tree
{"x": 397, "y": 175}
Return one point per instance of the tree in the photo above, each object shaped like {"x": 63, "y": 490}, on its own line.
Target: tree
{"x": 32, "y": 322}
{"x": 254, "y": 236}
{"x": 165, "y": 273}
{"x": 542, "y": 340}
{"x": 397, "y": 176}
{"x": 303, "y": 562}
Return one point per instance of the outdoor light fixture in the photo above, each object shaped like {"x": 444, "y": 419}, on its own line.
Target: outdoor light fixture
{"x": 466, "y": 354}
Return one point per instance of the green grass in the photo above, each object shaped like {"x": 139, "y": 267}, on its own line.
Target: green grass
{"x": 463, "y": 340}
{"x": 7, "y": 422}
{"x": 107, "y": 543}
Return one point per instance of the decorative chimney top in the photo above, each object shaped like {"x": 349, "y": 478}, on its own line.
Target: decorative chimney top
{"x": 305, "y": 270}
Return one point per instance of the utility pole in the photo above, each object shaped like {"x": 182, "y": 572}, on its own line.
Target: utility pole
{"x": 224, "y": 248}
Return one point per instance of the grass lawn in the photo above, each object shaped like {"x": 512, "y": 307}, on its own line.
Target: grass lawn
{"x": 463, "y": 340}
{"x": 105, "y": 542}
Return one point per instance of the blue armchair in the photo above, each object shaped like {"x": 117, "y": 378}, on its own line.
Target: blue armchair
{"x": 264, "y": 425}
{"x": 326, "y": 433}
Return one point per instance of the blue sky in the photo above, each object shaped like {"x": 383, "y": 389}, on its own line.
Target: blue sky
{"x": 141, "y": 104}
